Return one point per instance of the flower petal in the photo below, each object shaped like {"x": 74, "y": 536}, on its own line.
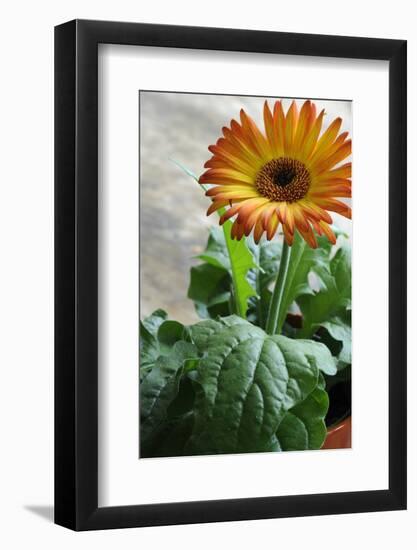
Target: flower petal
{"x": 328, "y": 232}
{"x": 328, "y": 152}
{"x": 344, "y": 151}
{"x": 258, "y": 232}
{"x": 343, "y": 171}
{"x": 279, "y": 127}
{"x": 214, "y": 175}
{"x": 249, "y": 206}
{"x": 257, "y": 139}
{"x": 309, "y": 237}
{"x": 314, "y": 211}
{"x": 303, "y": 125}
{"x": 235, "y": 190}
{"x": 268, "y": 211}
{"x": 286, "y": 216}
{"x": 335, "y": 206}
{"x": 289, "y": 237}
{"x": 300, "y": 220}
{"x": 216, "y": 205}
{"x": 237, "y": 231}
{"x": 230, "y": 212}
{"x": 290, "y": 126}
{"x": 252, "y": 219}
{"x": 312, "y": 137}
{"x": 327, "y": 138}
{"x": 272, "y": 226}
{"x": 269, "y": 128}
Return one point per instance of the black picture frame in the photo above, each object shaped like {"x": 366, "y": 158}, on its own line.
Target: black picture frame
{"x": 76, "y": 272}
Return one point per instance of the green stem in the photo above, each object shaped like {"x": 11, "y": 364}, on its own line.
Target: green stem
{"x": 259, "y": 304}
{"x": 276, "y": 299}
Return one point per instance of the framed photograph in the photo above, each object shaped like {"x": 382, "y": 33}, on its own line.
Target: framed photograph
{"x": 230, "y": 247}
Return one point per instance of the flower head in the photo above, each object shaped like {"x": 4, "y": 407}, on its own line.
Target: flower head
{"x": 290, "y": 175}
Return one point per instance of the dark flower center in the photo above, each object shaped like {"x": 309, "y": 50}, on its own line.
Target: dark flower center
{"x": 283, "y": 179}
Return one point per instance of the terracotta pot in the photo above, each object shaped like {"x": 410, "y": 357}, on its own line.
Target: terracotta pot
{"x": 339, "y": 436}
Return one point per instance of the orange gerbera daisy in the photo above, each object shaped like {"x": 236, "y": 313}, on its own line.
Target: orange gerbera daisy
{"x": 289, "y": 175}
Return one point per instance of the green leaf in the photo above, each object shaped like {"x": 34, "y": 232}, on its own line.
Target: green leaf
{"x": 231, "y": 388}
{"x": 303, "y": 259}
{"x": 318, "y": 354}
{"x": 154, "y": 321}
{"x": 339, "y": 329}
{"x": 241, "y": 262}
{"x": 148, "y": 343}
{"x": 267, "y": 255}
{"x": 221, "y": 285}
{"x": 164, "y": 386}
{"x": 200, "y": 333}
{"x": 216, "y": 250}
{"x": 321, "y": 384}
{"x": 170, "y": 332}
{"x": 171, "y": 438}
{"x": 184, "y": 401}
{"x": 210, "y": 290}
{"x": 334, "y": 296}
{"x": 160, "y": 387}
{"x": 303, "y": 427}
{"x": 245, "y": 384}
